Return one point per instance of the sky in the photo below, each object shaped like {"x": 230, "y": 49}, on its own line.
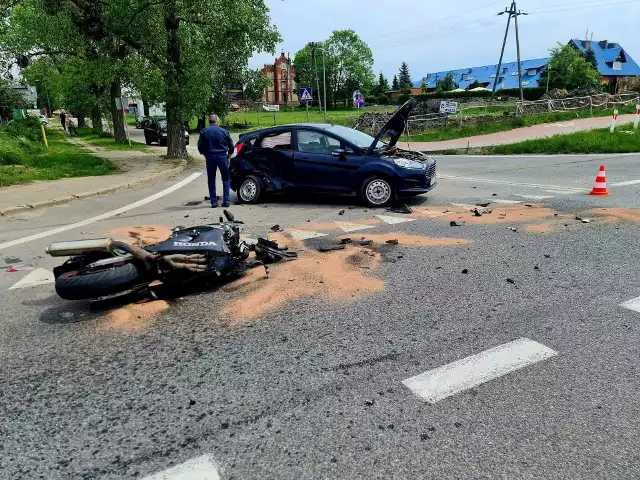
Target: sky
{"x": 441, "y": 35}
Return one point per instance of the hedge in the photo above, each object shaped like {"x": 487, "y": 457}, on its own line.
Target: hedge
{"x": 530, "y": 94}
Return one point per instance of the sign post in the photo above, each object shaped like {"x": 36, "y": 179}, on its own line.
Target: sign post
{"x": 358, "y": 100}
{"x": 306, "y": 95}
{"x": 637, "y": 119}
{"x": 613, "y": 121}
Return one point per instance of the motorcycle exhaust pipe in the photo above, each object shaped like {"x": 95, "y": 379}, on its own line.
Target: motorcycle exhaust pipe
{"x": 79, "y": 247}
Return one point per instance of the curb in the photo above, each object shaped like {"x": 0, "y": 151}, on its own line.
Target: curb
{"x": 81, "y": 196}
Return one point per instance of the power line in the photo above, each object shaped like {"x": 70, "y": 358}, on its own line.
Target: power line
{"x": 573, "y": 6}
{"x": 436, "y": 21}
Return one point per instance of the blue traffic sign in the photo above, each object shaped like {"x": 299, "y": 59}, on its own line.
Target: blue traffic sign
{"x": 358, "y": 99}
{"x": 306, "y": 94}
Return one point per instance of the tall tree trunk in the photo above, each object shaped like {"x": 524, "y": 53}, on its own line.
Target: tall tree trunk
{"x": 174, "y": 75}
{"x": 80, "y": 114}
{"x": 145, "y": 107}
{"x": 96, "y": 120}
{"x": 117, "y": 118}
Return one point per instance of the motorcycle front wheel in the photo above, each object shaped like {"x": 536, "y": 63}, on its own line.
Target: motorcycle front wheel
{"x": 87, "y": 284}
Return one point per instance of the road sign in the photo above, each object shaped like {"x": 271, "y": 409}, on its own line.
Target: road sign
{"x": 306, "y": 94}
{"x": 448, "y": 107}
{"x": 358, "y": 99}
{"x": 271, "y": 108}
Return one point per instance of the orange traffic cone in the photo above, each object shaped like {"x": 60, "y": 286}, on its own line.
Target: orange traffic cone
{"x": 600, "y": 188}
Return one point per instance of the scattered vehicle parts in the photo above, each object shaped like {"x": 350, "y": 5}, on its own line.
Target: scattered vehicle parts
{"x": 404, "y": 208}
{"x": 331, "y": 248}
{"x": 393, "y": 241}
{"x": 275, "y": 228}
{"x": 455, "y": 224}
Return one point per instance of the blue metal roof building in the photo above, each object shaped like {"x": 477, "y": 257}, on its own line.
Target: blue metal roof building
{"x": 613, "y": 61}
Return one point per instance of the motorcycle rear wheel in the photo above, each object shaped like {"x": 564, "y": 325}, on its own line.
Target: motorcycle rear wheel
{"x": 90, "y": 284}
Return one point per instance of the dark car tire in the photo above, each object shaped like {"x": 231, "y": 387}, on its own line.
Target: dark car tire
{"x": 250, "y": 190}
{"x": 147, "y": 140}
{"x": 377, "y": 191}
{"x": 162, "y": 141}
{"x": 80, "y": 285}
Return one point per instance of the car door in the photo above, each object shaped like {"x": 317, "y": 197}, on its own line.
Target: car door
{"x": 272, "y": 157}
{"x": 317, "y": 167}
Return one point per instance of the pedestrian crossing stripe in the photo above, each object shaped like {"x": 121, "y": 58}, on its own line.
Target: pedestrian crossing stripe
{"x": 353, "y": 227}
{"x": 304, "y": 235}
{"x": 39, "y": 276}
{"x": 394, "y": 220}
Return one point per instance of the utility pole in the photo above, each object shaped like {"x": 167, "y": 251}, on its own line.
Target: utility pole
{"x": 512, "y": 12}
{"x": 324, "y": 84}
{"x": 315, "y": 69}
{"x": 504, "y": 43}
{"x": 548, "y": 75}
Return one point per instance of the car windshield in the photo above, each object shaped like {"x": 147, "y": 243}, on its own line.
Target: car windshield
{"x": 359, "y": 139}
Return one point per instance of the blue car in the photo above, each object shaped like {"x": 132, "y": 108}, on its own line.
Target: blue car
{"x": 331, "y": 159}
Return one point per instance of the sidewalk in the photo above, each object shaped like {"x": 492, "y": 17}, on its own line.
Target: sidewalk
{"x": 543, "y": 130}
{"x": 133, "y": 168}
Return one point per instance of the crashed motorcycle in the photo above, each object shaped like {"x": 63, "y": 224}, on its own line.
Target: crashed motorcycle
{"x": 105, "y": 268}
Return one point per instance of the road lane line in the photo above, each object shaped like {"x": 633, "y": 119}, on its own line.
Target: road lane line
{"x": 469, "y": 372}
{"x": 104, "y": 216}
{"x": 533, "y": 197}
{"x": 353, "y": 227}
{"x": 633, "y": 304}
{"x": 200, "y": 468}
{"x": 624, "y": 184}
{"x": 506, "y": 202}
{"x": 514, "y": 184}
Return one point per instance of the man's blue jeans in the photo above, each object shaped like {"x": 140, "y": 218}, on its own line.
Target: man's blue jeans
{"x": 213, "y": 164}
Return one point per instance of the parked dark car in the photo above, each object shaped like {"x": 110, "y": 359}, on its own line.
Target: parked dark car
{"x": 155, "y": 130}
{"x": 324, "y": 158}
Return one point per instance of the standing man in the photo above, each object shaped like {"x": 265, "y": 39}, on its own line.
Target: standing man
{"x": 63, "y": 120}
{"x": 216, "y": 145}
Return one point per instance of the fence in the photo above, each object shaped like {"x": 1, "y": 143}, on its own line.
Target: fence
{"x": 603, "y": 100}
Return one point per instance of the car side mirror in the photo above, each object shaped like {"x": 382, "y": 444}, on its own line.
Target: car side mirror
{"x": 340, "y": 153}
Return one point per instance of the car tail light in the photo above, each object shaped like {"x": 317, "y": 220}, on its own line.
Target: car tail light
{"x": 238, "y": 149}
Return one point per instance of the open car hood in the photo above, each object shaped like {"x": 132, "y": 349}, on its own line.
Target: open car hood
{"x": 395, "y": 125}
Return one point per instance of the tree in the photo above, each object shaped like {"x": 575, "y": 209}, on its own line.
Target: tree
{"x": 382, "y": 86}
{"x": 395, "y": 85}
{"x": 423, "y": 87}
{"x": 256, "y": 83}
{"x": 446, "y": 84}
{"x": 350, "y": 63}
{"x": 569, "y": 69}
{"x": 590, "y": 56}
{"x": 404, "y": 77}
{"x": 10, "y": 100}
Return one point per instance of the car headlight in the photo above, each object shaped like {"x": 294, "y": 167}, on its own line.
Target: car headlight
{"x": 404, "y": 163}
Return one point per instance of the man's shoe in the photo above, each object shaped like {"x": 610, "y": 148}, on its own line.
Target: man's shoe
{"x": 226, "y": 204}
{"x": 214, "y": 205}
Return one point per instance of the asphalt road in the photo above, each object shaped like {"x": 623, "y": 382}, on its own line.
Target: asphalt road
{"x": 300, "y": 376}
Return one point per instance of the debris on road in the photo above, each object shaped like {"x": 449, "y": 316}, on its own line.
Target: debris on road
{"x": 536, "y": 267}
{"x": 465, "y": 271}
{"x": 547, "y": 256}
{"x": 583, "y": 220}
{"x": 366, "y": 243}
{"x": 511, "y": 280}
{"x": 483, "y": 205}
{"x": 455, "y": 224}
{"x": 344, "y": 241}
{"x": 393, "y": 241}
{"x": 341, "y": 212}
{"x": 513, "y": 229}
{"x": 406, "y": 209}
{"x": 528, "y": 205}
{"x": 20, "y": 268}
{"x": 275, "y": 228}
{"x": 331, "y": 248}
{"x": 476, "y": 213}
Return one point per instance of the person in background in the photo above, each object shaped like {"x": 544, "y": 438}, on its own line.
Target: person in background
{"x": 72, "y": 128}
{"x": 63, "y": 120}
{"x": 216, "y": 145}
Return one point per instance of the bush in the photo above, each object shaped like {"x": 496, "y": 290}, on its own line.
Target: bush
{"x": 28, "y": 128}
{"x": 530, "y": 94}
{"x": 383, "y": 100}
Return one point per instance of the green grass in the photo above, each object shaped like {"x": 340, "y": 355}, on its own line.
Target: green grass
{"x": 235, "y": 121}
{"x": 24, "y": 159}
{"x": 454, "y": 131}
{"x": 106, "y": 141}
{"x": 624, "y": 140}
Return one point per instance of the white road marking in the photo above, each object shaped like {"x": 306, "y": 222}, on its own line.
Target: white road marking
{"x": 304, "y": 235}
{"x": 514, "y": 184}
{"x": 200, "y": 468}
{"x": 633, "y": 304}
{"x": 104, "y": 216}
{"x": 394, "y": 220}
{"x": 464, "y": 205}
{"x": 533, "y": 197}
{"x": 461, "y": 375}
{"x": 353, "y": 227}
{"x": 507, "y": 202}
{"x": 432, "y": 213}
{"x": 39, "y": 276}
{"x": 624, "y": 184}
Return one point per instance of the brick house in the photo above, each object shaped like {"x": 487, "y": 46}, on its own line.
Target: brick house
{"x": 283, "y": 77}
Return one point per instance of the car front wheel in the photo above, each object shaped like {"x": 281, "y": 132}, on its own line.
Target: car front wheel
{"x": 250, "y": 190}
{"x": 377, "y": 192}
